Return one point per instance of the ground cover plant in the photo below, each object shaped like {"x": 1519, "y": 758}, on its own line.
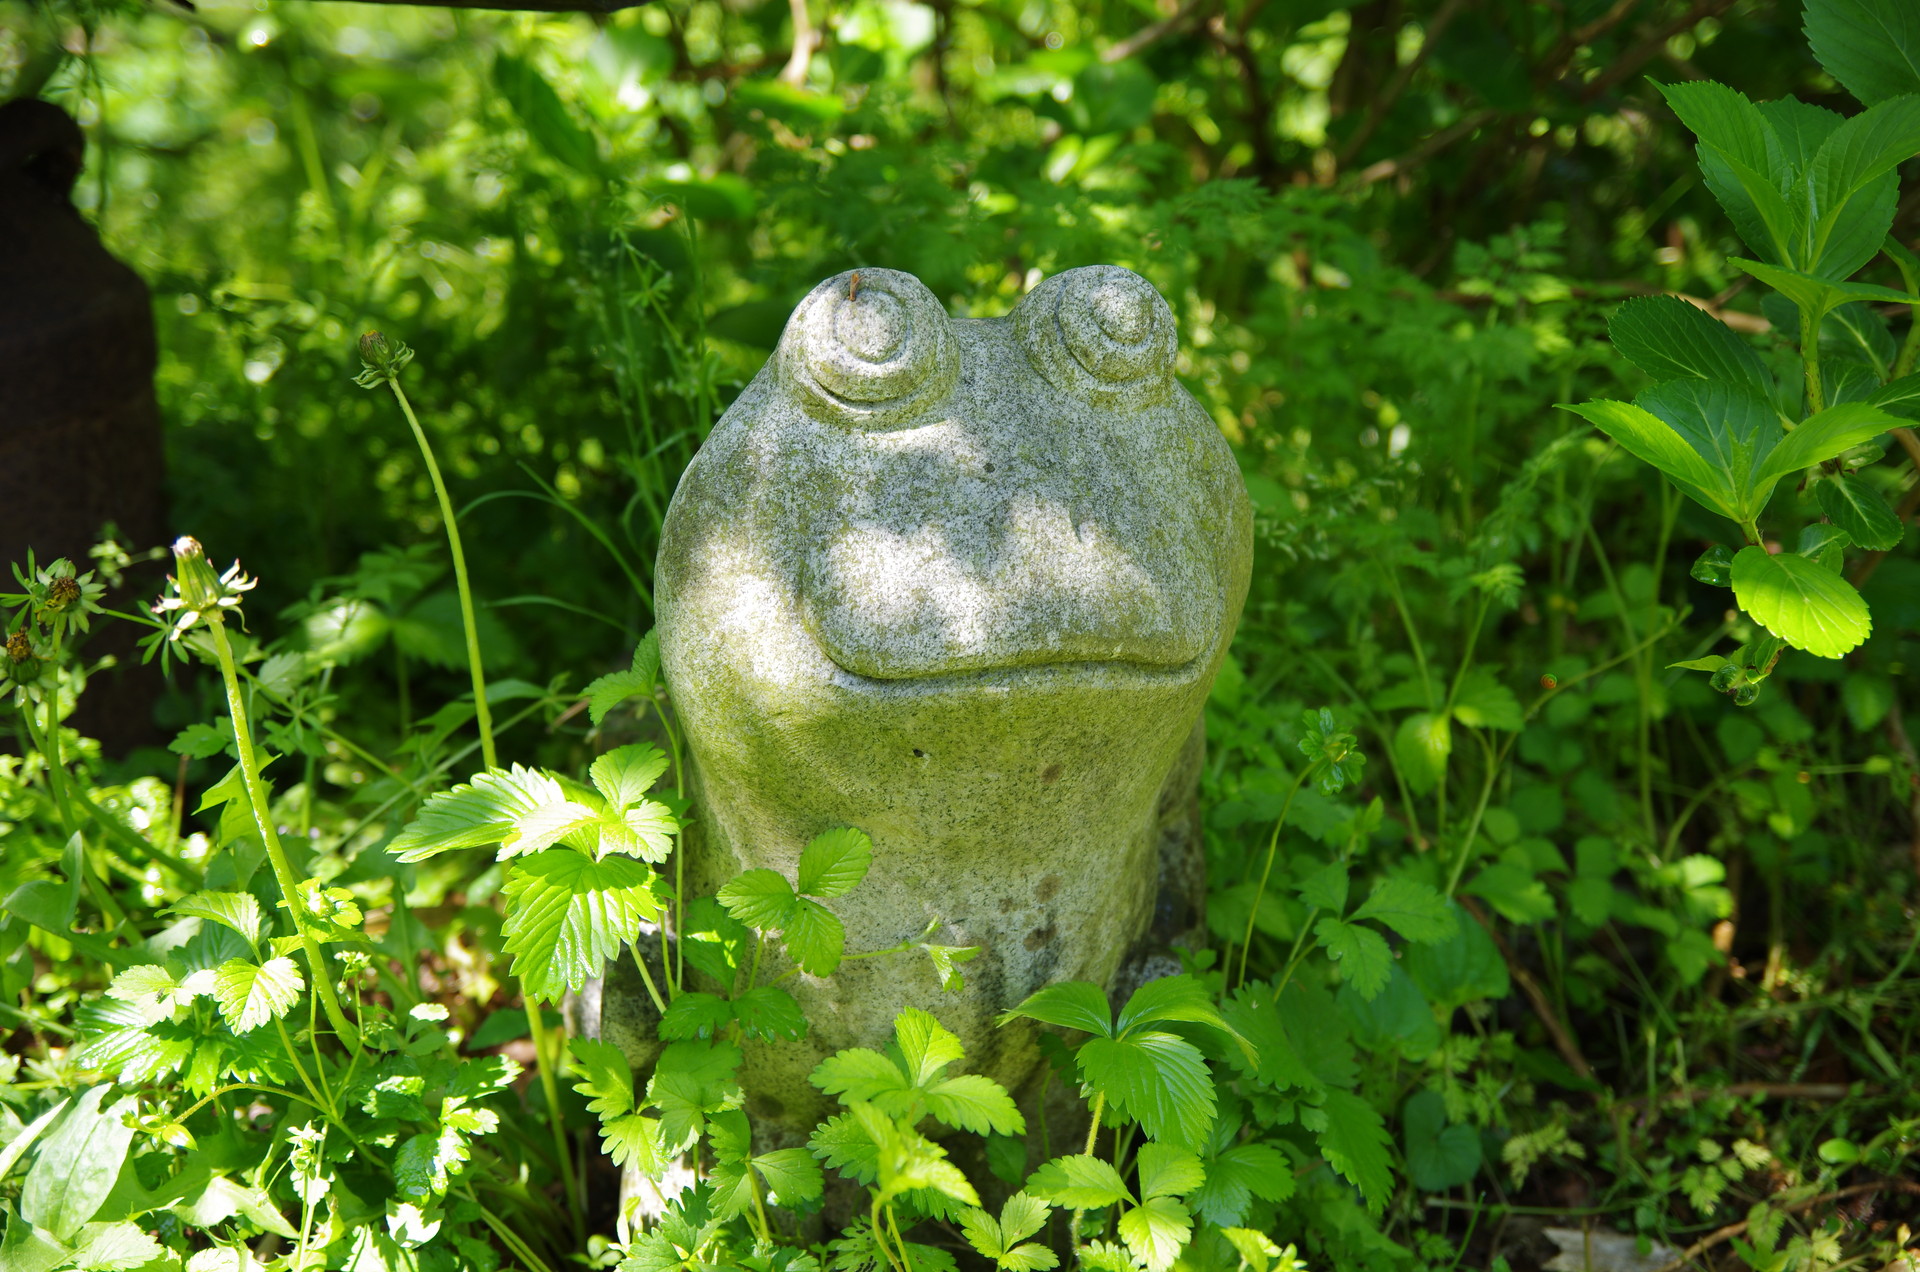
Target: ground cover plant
{"x": 1520, "y": 923}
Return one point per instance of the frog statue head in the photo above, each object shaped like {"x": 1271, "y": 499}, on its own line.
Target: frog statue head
{"x": 963, "y": 584}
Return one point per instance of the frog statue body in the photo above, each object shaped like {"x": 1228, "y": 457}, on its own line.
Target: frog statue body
{"x": 963, "y": 584}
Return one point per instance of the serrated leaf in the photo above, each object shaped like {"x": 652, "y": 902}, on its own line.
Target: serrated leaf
{"x": 1079, "y": 1182}
{"x": 1070, "y": 1005}
{"x": 792, "y": 1177}
{"x": 1853, "y": 185}
{"x": 475, "y": 814}
{"x": 1650, "y": 438}
{"x": 544, "y": 826}
{"x": 761, "y": 899}
{"x": 690, "y": 1082}
{"x": 145, "y": 983}
{"x": 694, "y": 1015}
{"x": 1157, "y": 1079}
{"x": 946, "y": 964}
{"x": 625, "y": 774}
{"x": 1409, "y": 907}
{"x": 859, "y": 1073}
{"x": 1819, "y": 295}
{"x": 1482, "y": 702}
{"x": 1667, "y": 338}
{"x": 1235, "y": 1176}
{"x": 1167, "y": 1171}
{"x": 1513, "y": 890}
{"x": 1361, "y": 953}
{"x": 814, "y": 937}
{"x": 1859, "y": 510}
{"x": 834, "y": 863}
{"x": 1021, "y": 1217}
{"x": 609, "y": 691}
{"x": 1832, "y": 432}
{"x": 201, "y": 741}
{"x": 1871, "y": 46}
{"x": 770, "y": 1014}
{"x": 1156, "y": 1230}
{"x": 1742, "y": 159}
{"x": 927, "y": 1046}
{"x": 237, "y": 910}
{"x": 1355, "y": 1144}
{"x": 1808, "y": 607}
{"x": 114, "y": 1247}
{"x": 605, "y": 1077}
{"x": 634, "y": 1140}
{"x": 842, "y": 1144}
{"x": 250, "y": 995}
{"x": 975, "y": 1103}
{"x": 569, "y": 914}
{"x": 732, "y": 1193}
{"x": 1326, "y": 887}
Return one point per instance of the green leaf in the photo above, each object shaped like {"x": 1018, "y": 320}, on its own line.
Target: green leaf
{"x": 237, "y": 910}
{"x": 1355, "y": 1144}
{"x": 1021, "y": 1217}
{"x": 732, "y": 1189}
{"x": 542, "y": 827}
{"x": 1326, "y": 888}
{"x": 1731, "y": 428}
{"x": 768, "y": 1013}
{"x": 946, "y": 964}
{"x": 1512, "y": 889}
{"x": 1277, "y": 1062}
{"x": 475, "y": 814}
{"x": 250, "y": 995}
{"x": 815, "y": 938}
{"x": 1070, "y": 1005}
{"x": 842, "y": 1144}
{"x": 1804, "y": 605}
{"x": 201, "y": 741}
{"x": 1466, "y": 968}
{"x": 1854, "y": 187}
{"x": 1156, "y": 1231}
{"x": 624, "y": 775}
{"x": 114, "y": 1247}
{"x": 1668, "y": 338}
{"x": 1079, "y": 1182}
{"x": 1482, "y": 702}
{"x": 635, "y": 1140}
{"x": 545, "y": 116}
{"x": 1714, "y": 567}
{"x": 1167, "y": 1171}
{"x": 1902, "y": 396}
{"x": 1438, "y": 1156}
{"x": 1157, "y": 1079}
{"x": 859, "y": 1073}
{"x": 77, "y": 1164}
{"x": 1832, "y": 432}
{"x": 1181, "y": 998}
{"x": 1743, "y": 158}
{"x": 833, "y": 864}
{"x": 614, "y": 688}
{"x": 1235, "y": 1176}
{"x": 1820, "y": 295}
{"x": 792, "y": 1177}
{"x": 568, "y": 914}
{"x": 692, "y": 1081}
{"x": 645, "y": 831}
{"x": 605, "y": 1077}
{"x": 761, "y": 899}
{"x": 1409, "y": 907}
{"x": 1871, "y": 46}
{"x": 1362, "y": 954}
{"x": 975, "y": 1103}
{"x": 926, "y": 1045}
{"x": 1421, "y": 746}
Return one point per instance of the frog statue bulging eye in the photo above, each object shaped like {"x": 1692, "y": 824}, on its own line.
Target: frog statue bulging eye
{"x": 871, "y": 346}
{"x": 1102, "y": 333}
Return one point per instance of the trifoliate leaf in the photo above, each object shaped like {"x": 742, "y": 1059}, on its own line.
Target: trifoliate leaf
{"x": 760, "y": 899}
{"x": 1156, "y": 1231}
{"x": 645, "y": 831}
{"x": 250, "y": 995}
{"x": 1167, "y": 1171}
{"x": 625, "y": 774}
{"x": 834, "y": 863}
{"x": 1409, "y": 907}
{"x": 975, "y": 1103}
{"x": 1179, "y": 998}
{"x": 692, "y": 1080}
{"x": 946, "y": 961}
{"x": 769, "y": 1014}
{"x": 1157, "y": 1079}
{"x": 237, "y": 910}
{"x": 815, "y": 938}
{"x": 1355, "y": 1144}
{"x": 473, "y": 815}
{"x": 695, "y": 1015}
{"x": 605, "y": 1077}
{"x": 1070, "y": 1004}
{"x": 1235, "y": 1176}
{"x": 569, "y": 914}
{"x": 792, "y": 1177}
{"x": 1079, "y": 1182}
{"x": 1361, "y": 953}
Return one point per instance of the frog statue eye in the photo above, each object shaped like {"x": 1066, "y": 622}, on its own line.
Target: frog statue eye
{"x": 871, "y": 345}
{"x": 1101, "y": 333}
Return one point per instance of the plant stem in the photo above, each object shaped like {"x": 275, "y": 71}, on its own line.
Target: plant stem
{"x": 542, "y": 1049}
{"x": 482, "y": 715}
{"x": 1810, "y": 357}
{"x": 1273, "y": 846}
{"x": 263, "y": 820}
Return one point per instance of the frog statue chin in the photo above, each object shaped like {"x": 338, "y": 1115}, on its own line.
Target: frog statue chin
{"x": 963, "y": 584}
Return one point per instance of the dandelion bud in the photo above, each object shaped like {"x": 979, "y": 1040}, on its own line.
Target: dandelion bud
{"x": 382, "y": 358}
{"x": 199, "y": 585}
{"x": 374, "y": 348}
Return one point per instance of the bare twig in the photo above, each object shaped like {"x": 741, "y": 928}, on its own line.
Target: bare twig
{"x": 805, "y": 40}
{"x": 1149, "y": 35}
{"x": 1650, "y": 46}
{"x": 1378, "y": 108}
{"x": 1425, "y": 150}
{"x": 1718, "y": 1235}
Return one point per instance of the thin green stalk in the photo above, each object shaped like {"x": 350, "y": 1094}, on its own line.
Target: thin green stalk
{"x": 1260, "y": 893}
{"x": 293, "y": 1054}
{"x": 542, "y": 1054}
{"x": 653, "y": 992}
{"x": 880, "y": 1235}
{"x": 263, "y": 821}
{"x": 483, "y": 715}
{"x": 1093, "y": 1137}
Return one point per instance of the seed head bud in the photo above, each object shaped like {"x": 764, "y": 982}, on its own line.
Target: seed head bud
{"x": 382, "y": 360}
{"x": 197, "y": 592}
{"x": 19, "y": 648}
{"x": 63, "y": 593}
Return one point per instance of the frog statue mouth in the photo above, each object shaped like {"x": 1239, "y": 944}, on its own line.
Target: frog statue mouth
{"x": 1037, "y": 490}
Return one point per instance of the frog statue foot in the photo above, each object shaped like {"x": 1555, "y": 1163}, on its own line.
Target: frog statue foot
{"x": 963, "y": 584}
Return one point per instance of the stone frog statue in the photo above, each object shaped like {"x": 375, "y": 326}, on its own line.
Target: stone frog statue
{"x": 963, "y": 584}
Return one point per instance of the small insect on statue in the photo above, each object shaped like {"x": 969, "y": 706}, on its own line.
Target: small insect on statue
{"x": 962, "y": 584}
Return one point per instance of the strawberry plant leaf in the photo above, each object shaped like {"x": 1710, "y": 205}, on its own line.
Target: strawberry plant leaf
{"x": 927, "y": 1046}
{"x": 1168, "y": 1171}
{"x": 769, "y": 1013}
{"x": 1411, "y": 908}
{"x": 625, "y": 774}
{"x": 815, "y": 938}
{"x": 761, "y": 899}
{"x": 569, "y": 914}
{"x": 792, "y": 1176}
{"x": 251, "y": 994}
{"x": 1157, "y": 1079}
{"x": 606, "y": 1079}
{"x": 975, "y": 1103}
{"x": 1361, "y": 953}
{"x": 834, "y": 863}
{"x": 1355, "y": 1144}
{"x": 1079, "y": 1182}
{"x": 1156, "y": 1231}
{"x": 475, "y": 814}
{"x": 237, "y": 910}
{"x": 1070, "y": 1005}
{"x": 859, "y": 1073}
